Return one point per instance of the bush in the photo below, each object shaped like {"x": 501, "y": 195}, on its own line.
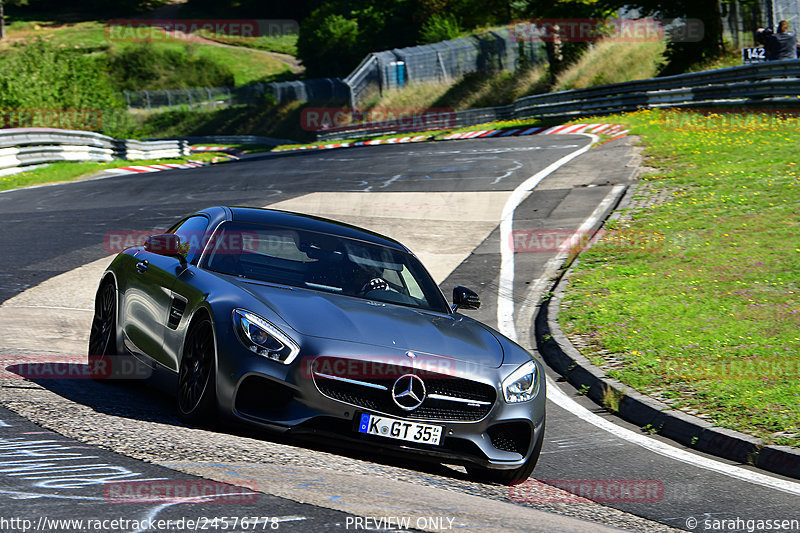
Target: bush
{"x": 146, "y": 67}
{"x": 328, "y": 44}
{"x": 440, "y": 28}
{"x": 42, "y": 76}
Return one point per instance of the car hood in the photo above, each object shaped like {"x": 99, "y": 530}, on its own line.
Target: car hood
{"x": 350, "y": 319}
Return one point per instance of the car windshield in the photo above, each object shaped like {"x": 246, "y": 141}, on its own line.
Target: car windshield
{"x": 322, "y": 262}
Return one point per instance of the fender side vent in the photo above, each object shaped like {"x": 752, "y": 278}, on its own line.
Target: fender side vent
{"x": 176, "y": 312}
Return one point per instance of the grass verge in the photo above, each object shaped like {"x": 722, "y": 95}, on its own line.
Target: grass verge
{"x": 613, "y": 61}
{"x": 283, "y": 44}
{"x": 696, "y": 300}
{"x": 70, "y": 171}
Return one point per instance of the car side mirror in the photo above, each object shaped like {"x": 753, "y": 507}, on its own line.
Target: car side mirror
{"x": 167, "y": 244}
{"x": 463, "y": 298}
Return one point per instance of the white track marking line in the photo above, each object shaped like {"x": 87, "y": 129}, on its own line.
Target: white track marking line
{"x": 505, "y": 292}
{"x": 507, "y": 327}
{"x": 558, "y": 397}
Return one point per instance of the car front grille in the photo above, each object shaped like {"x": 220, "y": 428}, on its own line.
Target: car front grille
{"x": 448, "y": 398}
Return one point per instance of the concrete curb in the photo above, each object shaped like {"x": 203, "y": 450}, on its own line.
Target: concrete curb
{"x": 642, "y": 410}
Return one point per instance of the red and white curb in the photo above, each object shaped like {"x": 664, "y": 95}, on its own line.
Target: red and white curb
{"x": 615, "y": 131}
{"x": 224, "y": 149}
{"x": 142, "y": 169}
{"x": 345, "y": 144}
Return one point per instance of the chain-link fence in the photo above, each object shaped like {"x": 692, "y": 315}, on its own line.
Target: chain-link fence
{"x": 319, "y": 90}
{"x": 329, "y": 90}
{"x": 740, "y": 20}
{"x": 788, "y": 10}
{"x": 378, "y": 72}
{"x": 202, "y": 98}
{"x": 443, "y": 61}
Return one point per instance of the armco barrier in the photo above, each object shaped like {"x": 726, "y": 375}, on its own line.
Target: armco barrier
{"x": 772, "y": 83}
{"x": 230, "y": 139}
{"x": 34, "y": 146}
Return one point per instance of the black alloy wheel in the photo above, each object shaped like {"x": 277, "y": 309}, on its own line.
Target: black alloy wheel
{"x": 196, "y": 379}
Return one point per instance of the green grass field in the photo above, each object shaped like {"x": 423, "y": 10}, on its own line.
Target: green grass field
{"x": 92, "y": 37}
{"x": 698, "y": 298}
{"x": 70, "y": 171}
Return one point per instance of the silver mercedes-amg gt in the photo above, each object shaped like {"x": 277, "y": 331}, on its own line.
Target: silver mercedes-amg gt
{"x": 307, "y": 325}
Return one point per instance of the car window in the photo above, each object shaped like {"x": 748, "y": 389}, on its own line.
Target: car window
{"x": 277, "y": 244}
{"x": 411, "y": 283}
{"x": 191, "y": 232}
{"x": 323, "y": 262}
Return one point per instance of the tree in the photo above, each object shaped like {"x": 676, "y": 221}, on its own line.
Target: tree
{"x": 340, "y": 33}
{"x": 680, "y": 54}
{"x": 683, "y": 54}
{"x": 3, "y": 15}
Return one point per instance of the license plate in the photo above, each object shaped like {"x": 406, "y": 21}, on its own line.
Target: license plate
{"x": 400, "y": 429}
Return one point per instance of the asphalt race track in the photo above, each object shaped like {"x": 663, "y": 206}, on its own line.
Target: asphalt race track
{"x": 444, "y": 200}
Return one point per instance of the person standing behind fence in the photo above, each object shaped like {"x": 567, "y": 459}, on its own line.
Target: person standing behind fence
{"x": 782, "y": 44}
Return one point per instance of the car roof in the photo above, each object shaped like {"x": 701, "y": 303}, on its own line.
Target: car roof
{"x": 307, "y": 222}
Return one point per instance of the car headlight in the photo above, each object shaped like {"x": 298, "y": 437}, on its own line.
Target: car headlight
{"x": 522, "y": 385}
{"x": 261, "y": 337}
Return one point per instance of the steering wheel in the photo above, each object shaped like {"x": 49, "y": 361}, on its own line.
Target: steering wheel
{"x": 375, "y": 284}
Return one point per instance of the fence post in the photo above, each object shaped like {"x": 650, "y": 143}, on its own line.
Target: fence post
{"x": 441, "y": 65}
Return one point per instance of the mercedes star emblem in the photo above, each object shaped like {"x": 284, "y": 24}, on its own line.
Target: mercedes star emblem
{"x": 408, "y": 392}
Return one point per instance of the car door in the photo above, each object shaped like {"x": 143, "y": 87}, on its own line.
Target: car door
{"x": 185, "y": 293}
{"x": 149, "y": 299}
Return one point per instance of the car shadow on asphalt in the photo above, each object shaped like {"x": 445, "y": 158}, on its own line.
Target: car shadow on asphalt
{"x": 146, "y": 401}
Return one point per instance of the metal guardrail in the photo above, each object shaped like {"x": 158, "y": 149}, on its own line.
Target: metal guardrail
{"x": 230, "y": 139}
{"x": 749, "y": 85}
{"x": 34, "y": 146}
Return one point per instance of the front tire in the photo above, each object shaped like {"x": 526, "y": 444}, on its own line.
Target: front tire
{"x": 197, "y": 398}
{"x": 102, "y": 336}
{"x": 511, "y": 477}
